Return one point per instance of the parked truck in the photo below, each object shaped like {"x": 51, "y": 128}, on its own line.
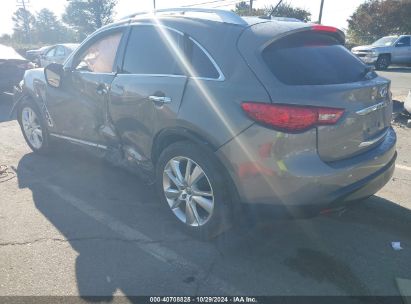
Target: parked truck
{"x": 386, "y": 51}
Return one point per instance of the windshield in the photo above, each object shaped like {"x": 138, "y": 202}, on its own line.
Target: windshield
{"x": 385, "y": 41}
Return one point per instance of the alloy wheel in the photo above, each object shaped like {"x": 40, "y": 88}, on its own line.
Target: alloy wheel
{"x": 188, "y": 191}
{"x": 32, "y": 128}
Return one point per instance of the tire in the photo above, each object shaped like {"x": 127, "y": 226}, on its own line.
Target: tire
{"x": 34, "y": 129}
{"x": 383, "y": 62}
{"x": 203, "y": 216}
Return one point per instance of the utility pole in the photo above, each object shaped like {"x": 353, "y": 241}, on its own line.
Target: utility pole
{"x": 154, "y": 4}
{"x": 22, "y": 4}
{"x": 251, "y": 7}
{"x": 321, "y": 12}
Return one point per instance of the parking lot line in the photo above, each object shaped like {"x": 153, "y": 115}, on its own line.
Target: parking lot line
{"x": 143, "y": 242}
{"x": 403, "y": 167}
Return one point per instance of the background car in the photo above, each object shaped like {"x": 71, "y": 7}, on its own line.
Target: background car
{"x": 57, "y": 53}
{"x": 34, "y": 55}
{"x": 385, "y": 51}
{"x": 12, "y": 68}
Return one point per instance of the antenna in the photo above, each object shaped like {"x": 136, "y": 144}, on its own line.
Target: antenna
{"x": 274, "y": 9}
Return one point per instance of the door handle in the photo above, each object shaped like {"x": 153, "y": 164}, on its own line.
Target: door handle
{"x": 160, "y": 99}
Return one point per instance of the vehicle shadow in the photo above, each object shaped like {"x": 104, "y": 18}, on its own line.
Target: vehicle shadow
{"x": 338, "y": 254}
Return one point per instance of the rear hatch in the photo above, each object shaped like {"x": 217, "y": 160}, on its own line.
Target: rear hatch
{"x": 309, "y": 66}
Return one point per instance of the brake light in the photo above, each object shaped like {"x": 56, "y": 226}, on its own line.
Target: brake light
{"x": 324, "y": 28}
{"x": 290, "y": 117}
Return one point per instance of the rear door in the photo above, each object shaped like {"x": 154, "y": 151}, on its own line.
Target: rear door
{"x": 313, "y": 68}
{"x": 150, "y": 86}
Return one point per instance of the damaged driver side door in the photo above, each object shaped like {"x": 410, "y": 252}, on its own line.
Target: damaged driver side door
{"x": 78, "y": 109}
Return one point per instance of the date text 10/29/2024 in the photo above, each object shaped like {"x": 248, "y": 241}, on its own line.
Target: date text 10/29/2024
{"x": 203, "y": 299}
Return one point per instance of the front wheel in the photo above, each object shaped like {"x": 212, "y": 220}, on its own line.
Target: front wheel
{"x": 383, "y": 63}
{"x": 33, "y": 127}
{"x": 192, "y": 187}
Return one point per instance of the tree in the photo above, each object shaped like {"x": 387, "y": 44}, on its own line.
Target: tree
{"x": 377, "y": 18}
{"x": 88, "y": 15}
{"x": 24, "y": 22}
{"x": 48, "y": 28}
{"x": 5, "y": 39}
{"x": 283, "y": 10}
{"x": 243, "y": 9}
{"x": 287, "y": 10}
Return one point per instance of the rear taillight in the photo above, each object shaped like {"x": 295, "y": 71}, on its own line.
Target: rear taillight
{"x": 291, "y": 118}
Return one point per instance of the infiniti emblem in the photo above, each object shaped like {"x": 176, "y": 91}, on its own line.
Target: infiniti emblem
{"x": 383, "y": 92}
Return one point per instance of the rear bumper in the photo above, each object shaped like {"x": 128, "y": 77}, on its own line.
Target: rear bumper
{"x": 284, "y": 172}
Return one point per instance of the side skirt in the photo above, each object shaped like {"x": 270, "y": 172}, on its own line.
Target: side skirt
{"x": 118, "y": 156}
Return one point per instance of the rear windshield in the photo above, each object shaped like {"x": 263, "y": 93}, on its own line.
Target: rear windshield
{"x": 311, "y": 58}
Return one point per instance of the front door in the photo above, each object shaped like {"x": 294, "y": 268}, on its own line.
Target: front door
{"x": 78, "y": 109}
{"x": 402, "y": 51}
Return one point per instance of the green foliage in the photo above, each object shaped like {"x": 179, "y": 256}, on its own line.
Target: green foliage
{"x": 42, "y": 29}
{"x": 284, "y": 10}
{"x": 88, "y": 15}
{"x": 377, "y": 18}
{"x": 50, "y": 30}
{"x": 24, "y": 22}
{"x": 243, "y": 9}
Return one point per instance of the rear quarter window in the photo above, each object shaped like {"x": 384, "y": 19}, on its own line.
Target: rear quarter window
{"x": 312, "y": 58}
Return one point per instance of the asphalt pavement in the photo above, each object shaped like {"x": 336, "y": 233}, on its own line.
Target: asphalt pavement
{"x": 401, "y": 80}
{"x": 71, "y": 224}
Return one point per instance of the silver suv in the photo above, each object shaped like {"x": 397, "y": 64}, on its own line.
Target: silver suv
{"x": 220, "y": 110}
{"x": 385, "y": 51}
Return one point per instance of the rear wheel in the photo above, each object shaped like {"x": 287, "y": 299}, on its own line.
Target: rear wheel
{"x": 33, "y": 127}
{"x": 191, "y": 186}
{"x": 383, "y": 62}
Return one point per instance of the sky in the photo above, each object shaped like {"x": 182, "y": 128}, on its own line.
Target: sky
{"x": 336, "y": 12}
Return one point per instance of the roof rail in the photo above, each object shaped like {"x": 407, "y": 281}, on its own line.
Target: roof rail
{"x": 226, "y": 16}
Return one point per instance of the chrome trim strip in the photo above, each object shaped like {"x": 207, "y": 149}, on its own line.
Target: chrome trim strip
{"x": 373, "y": 108}
{"x": 221, "y": 76}
{"x": 79, "y": 141}
{"x": 156, "y": 75}
{"x": 373, "y": 141}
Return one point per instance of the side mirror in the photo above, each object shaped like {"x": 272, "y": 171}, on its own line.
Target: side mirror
{"x": 54, "y": 73}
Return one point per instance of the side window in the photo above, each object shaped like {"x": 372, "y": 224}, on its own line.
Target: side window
{"x": 60, "y": 51}
{"x": 100, "y": 56}
{"x": 51, "y": 53}
{"x": 153, "y": 50}
{"x": 405, "y": 41}
{"x": 201, "y": 63}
